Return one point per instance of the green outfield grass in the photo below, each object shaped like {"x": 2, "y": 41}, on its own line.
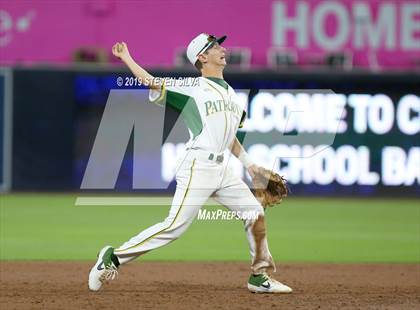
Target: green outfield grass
{"x": 50, "y": 227}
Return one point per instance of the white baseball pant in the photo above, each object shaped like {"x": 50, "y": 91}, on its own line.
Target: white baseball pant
{"x": 198, "y": 179}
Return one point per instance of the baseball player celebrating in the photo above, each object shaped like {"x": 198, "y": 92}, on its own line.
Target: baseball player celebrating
{"x": 212, "y": 114}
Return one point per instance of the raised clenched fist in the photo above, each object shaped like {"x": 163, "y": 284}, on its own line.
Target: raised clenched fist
{"x": 120, "y": 50}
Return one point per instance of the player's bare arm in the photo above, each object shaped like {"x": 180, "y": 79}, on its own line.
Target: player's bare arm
{"x": 121, "y": 51}
{"x": 238, "y": 150}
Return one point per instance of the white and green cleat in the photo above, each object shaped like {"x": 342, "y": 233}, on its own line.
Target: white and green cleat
{"x": 263, "y": 283}
{"x": 104, "y": 269}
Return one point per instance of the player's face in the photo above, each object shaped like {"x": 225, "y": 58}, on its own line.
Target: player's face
{"x": 216, "y": 55}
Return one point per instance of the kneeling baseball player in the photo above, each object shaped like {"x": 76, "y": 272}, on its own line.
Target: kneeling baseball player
{"x": 213, "y": 115}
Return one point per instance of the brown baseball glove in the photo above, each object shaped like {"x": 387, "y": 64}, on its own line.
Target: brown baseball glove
{"x": 269, "y": 187}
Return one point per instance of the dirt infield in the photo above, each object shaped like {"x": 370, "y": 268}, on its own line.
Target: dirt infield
{"x": 63, "y": 285}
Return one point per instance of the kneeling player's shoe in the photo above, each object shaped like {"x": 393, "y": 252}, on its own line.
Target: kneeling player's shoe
{"x": 105, "y": 269}
{"x": 262, "y": 283}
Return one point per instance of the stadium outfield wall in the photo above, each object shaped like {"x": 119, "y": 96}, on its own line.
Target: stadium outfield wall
{"x": 373, "y": 150}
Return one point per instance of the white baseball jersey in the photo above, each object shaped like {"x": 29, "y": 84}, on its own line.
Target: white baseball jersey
{"x": 209, "y": 107}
